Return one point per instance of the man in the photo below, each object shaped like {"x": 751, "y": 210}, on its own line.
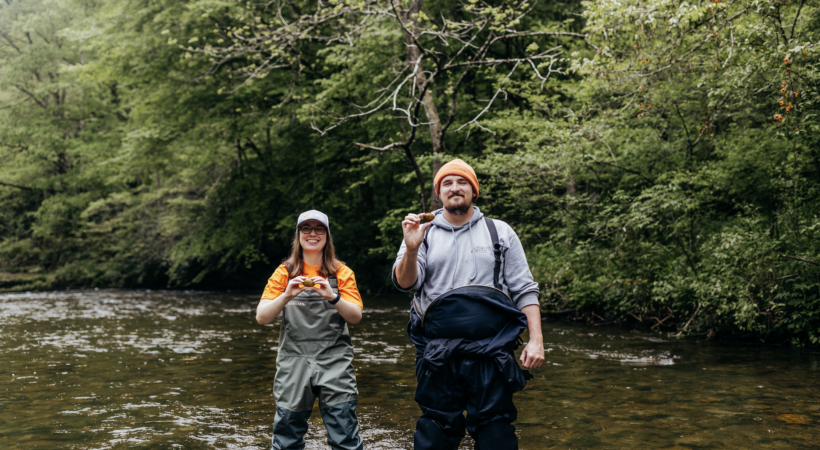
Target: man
{"x": 474, "y": 294}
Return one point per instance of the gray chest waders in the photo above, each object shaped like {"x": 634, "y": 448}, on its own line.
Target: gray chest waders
{"x": 315, "y": 360}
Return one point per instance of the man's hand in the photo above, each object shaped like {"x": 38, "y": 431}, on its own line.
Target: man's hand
{"x": 407, "y": 270}
{"x": 413, "y": 231}
{"x": 533, "y": 355}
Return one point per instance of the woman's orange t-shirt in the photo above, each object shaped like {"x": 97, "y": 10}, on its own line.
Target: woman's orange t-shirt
{"x": 345, "y": 279}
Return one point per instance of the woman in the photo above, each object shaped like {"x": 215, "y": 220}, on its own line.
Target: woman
{"x": 317, "y": 296}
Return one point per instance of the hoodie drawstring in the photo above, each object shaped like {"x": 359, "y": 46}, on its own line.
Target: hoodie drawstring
{"x": 455, "y": 244}
{"x": 475, "y": 267}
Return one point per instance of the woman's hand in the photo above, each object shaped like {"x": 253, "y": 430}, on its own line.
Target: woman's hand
{"x": 268, "y": 309}
{"x": 322, "y": 287}
{"x": 293, "y": 289}
{"x": 350, "y": 312}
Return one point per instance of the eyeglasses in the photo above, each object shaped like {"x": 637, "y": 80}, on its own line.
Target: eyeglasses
{"x": 318, "y": 230}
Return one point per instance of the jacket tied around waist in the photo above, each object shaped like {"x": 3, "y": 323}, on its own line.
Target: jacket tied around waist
{"x": 470, "y": 322}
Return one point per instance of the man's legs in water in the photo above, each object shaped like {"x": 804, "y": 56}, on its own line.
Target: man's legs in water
{"x": 490, "y": 408}
{"x": 442, "y": 401}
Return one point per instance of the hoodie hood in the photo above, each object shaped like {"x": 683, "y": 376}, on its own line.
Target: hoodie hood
{"x": 461, "y": 245}
{"x": 440, "y": 221}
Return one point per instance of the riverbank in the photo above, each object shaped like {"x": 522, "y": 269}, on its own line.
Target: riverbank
{"x": 21, "y": 282}
{"x": 670, "y": 326}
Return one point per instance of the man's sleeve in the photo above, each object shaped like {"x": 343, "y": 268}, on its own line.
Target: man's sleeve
{"x": 517, "y": 275}
{"x": 421, "y": 264}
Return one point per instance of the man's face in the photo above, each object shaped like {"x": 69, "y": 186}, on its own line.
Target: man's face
{"x": 456, "y": 194}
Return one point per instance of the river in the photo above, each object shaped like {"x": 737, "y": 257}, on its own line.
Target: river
{"x": 193, "y": 370}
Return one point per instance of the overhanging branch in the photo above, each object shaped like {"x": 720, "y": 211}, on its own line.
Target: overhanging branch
{"x": 25, "y": 188}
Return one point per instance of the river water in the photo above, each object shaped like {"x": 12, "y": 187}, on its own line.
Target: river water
{"x": 142, "y": 369}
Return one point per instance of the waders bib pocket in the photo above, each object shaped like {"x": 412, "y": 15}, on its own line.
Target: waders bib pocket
{"x": 311, "y": 325}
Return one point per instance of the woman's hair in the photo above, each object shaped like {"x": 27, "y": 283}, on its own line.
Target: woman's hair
{"x": 329, "y": 262}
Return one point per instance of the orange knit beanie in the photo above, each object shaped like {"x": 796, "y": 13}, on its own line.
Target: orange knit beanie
{"x": 460, "y": 168}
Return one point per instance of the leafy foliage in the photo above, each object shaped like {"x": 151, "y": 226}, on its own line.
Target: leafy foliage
{"x": 665, "y": 173}
{"x": 681, "y": 186}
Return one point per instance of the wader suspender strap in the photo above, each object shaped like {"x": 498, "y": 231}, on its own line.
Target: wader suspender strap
{"x": 496, "y": 253}
{"x": 424, "y": 244}
{"x": 333, "y": 277}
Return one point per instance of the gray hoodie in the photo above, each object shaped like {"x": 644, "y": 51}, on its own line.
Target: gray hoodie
{"x": 463, "y": 255}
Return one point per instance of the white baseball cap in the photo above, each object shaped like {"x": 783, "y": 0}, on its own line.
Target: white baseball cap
{"x": 313, "y": 215}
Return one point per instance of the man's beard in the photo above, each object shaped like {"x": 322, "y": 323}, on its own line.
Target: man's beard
{"x": 460, "y": 209}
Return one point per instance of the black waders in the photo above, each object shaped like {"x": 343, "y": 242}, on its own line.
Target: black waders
{"x": 465, "y": 341}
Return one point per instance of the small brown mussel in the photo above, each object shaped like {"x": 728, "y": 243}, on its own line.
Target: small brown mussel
{"x": 308, "y": 283}
{"x": 428, "y": 217}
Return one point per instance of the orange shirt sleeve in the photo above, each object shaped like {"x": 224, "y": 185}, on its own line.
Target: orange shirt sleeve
{"x": 277, "y": 283}
{"x": 347, "y": 286}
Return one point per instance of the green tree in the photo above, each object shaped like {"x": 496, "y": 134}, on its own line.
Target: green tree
{"x": 55, "y": 129}
{"x": 660, "y": 160}
{"x": 682, "y": 184}
{"x": 390, "y": 61}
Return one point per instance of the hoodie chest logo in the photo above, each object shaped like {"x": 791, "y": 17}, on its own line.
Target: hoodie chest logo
{"x": 478, "y": 249}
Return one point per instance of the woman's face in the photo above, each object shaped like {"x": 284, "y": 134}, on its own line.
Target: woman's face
{"x": 312, "y": 241}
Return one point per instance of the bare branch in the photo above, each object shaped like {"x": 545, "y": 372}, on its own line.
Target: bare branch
{"x": 25, "y": 188}
{"x": 404, "y": 28}
{"x": 453, "y": 103}
{"x": 500, "y": 61}
{"x": 607, "y": 146}
{"x": 791, "y": 34}
{"x": 499, "y": 90}
{"x": 539, "y": 33}
{"x": 10, "y": 41}
{"x": 797, "y": 275}
{"x": 808, "y": 261}
{"x": 732, "y": 47}
{"x": 381, "y": 149}
{"x": 689, "y": 321}
{"x": 31, "y": 96}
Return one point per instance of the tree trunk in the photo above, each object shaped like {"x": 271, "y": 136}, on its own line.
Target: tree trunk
{"x": 414, "y": 55}
{"x": 435, "y": 202}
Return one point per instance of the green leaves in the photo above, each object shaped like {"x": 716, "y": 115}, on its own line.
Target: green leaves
{"x": 172, "y": 144}
{"x": 675, "y": 161}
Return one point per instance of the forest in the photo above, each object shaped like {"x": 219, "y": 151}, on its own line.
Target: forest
{"x": 659, "y": 159}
